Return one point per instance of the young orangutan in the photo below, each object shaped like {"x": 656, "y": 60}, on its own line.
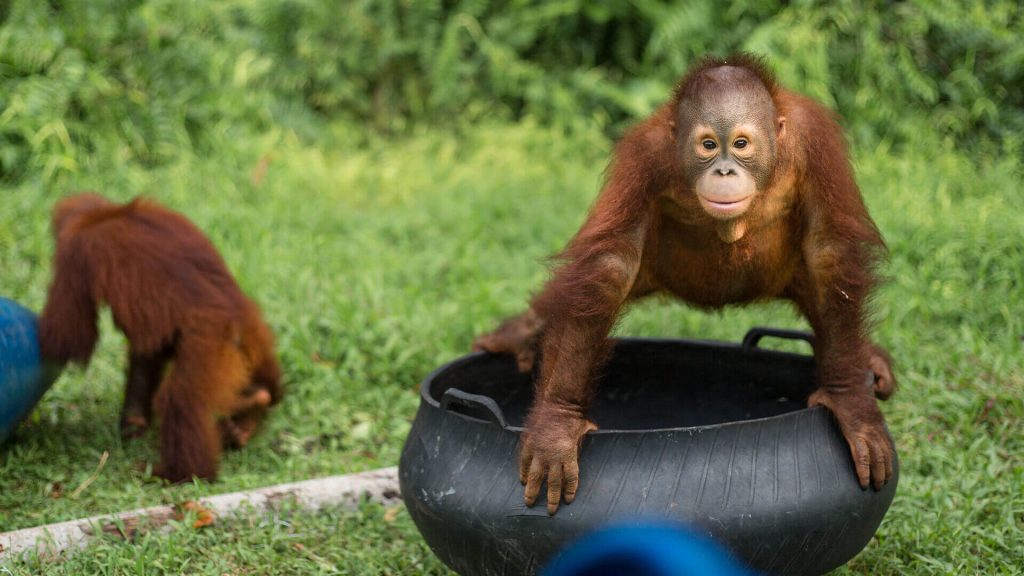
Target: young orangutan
{"x": 736, "y": 190}
{"x": 199, "y": 350}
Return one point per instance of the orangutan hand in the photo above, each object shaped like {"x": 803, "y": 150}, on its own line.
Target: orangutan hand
{"x": 550, "y": 450}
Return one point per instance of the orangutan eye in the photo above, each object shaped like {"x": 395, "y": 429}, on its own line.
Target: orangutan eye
{"x": 709, "y": 144}
{"x": 740, "y": 143}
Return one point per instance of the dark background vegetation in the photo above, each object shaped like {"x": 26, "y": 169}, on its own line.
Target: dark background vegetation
{"x": 88, "y": 81}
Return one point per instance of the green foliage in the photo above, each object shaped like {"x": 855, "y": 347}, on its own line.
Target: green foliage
{"x": 94, "y": 81}
{"x": 102, "y": 80}
{"x": 900, "y": 70}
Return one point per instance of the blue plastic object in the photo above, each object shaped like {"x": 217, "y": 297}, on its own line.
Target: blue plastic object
{"x": 23, "y": 377}
{"x": 645, "y": 550}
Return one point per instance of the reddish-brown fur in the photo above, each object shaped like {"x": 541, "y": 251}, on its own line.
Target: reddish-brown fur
{"x": 199, "y": 349}
{"x": 806, "y": 237}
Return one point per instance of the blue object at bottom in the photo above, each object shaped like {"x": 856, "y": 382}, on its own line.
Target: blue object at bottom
{"x": 23, "y": 378}
{"x": 645, "y": 550}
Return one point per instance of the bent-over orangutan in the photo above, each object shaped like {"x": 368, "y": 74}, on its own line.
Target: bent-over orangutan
{"x": 199, "y": 350}
{"x": 734, "y": 191}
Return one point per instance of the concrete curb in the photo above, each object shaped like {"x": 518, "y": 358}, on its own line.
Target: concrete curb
{"x": 67, "y": 537}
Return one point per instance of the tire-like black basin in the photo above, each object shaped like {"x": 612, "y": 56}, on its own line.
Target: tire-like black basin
{"x": 716, "y": 435}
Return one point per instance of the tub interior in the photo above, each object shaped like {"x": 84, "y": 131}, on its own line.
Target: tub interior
{"x": 653, "y": 384}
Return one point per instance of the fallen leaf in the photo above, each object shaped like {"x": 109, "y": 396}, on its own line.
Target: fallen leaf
{"x": 360, "y": 431}
{"x": 204, "y": 516}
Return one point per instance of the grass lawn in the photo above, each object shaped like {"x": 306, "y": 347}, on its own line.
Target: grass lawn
{"x": 375, "y": 261}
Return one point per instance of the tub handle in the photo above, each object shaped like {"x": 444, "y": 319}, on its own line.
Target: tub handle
{"x": 754, "y": 335}
{"x": 479, "y": 403}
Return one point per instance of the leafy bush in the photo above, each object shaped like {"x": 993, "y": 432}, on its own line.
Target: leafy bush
{"x": 144, "y": 80}
{"x": 115, "y": 78}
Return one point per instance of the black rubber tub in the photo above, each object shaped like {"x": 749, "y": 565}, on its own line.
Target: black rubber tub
{"x": 713, "y": 434}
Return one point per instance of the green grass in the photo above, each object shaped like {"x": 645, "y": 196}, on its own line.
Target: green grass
{"x": 375, "y": 262}
{"x": 372, "y": 540}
